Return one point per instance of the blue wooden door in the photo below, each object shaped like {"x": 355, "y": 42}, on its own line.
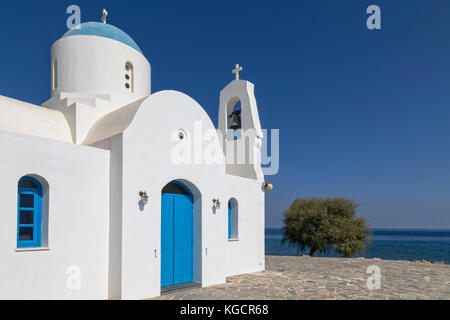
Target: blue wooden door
{"x": 177, "y": 239}
{"x": 167, "y": 240}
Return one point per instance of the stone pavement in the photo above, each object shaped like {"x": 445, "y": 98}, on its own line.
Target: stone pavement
{"x": 292, "y": 278}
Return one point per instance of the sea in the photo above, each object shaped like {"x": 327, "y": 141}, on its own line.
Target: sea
{"x": 386, "y": 244}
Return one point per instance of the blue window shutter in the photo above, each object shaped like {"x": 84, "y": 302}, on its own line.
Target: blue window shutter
{"x": 29, "y": 214}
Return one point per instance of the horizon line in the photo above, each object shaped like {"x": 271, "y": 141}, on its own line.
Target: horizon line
{"x": 389, "y": 228}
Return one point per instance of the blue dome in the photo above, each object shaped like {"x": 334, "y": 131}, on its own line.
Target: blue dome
{"x": 103, "y": 30}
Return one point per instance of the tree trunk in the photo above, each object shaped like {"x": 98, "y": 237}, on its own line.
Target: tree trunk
{"x": 311, "y": 251}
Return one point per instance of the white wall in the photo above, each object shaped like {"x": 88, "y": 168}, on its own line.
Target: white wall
{"x": 247, "y": 253}
{"x": 148, "y": 166}
{"x": 87, "y": 199}
{"x": 78, "y": 219}
{"x": 115, "y": 218}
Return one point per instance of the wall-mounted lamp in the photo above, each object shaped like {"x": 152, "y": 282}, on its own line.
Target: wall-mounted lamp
{"x": 267, "y": 186}
{"x": 144, "y": 197}
{"x": 216, "y": 203}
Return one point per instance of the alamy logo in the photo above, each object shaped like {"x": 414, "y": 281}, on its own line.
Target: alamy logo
{"x": 74, "y": 20}
{"x": 74, "y": 279}
{"x": 374, "y": 20}
{"x": 374, "y": 280}
{"x": 242, "y": 147}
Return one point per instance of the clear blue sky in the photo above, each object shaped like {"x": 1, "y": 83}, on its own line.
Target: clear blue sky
{"x": 362, "y": 114}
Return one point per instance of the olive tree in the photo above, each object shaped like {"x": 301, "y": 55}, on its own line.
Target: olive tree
{"x": 321, "y": 225}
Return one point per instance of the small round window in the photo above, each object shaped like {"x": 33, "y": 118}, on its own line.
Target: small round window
{"x": 181, "y": 134}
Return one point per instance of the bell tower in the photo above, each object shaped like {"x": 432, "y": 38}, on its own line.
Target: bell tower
{"x": 240, "y": 128}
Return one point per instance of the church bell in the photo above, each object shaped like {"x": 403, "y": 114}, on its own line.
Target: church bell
{"x": 236, "y": 122}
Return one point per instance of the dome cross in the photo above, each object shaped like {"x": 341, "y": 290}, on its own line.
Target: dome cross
{"x": 104, "y": 15}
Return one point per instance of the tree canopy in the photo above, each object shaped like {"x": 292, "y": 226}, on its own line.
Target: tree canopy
{"x": 321, "y": 225}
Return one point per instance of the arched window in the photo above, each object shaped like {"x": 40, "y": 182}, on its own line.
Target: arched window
{"x": 129, "y": 76}
{"x": 235, "y": 118}
{"x": 54, "y": 74}
{"x": 233, "y": 219}
{"x": 29, "y": 213}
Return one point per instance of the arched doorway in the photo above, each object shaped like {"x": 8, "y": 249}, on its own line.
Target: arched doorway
{"x": 177, "y": 235}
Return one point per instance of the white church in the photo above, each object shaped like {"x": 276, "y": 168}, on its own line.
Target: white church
{"x": 97, "y": 197}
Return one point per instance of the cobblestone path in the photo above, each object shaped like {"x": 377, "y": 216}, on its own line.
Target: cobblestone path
{"x": 329, "y": 278}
